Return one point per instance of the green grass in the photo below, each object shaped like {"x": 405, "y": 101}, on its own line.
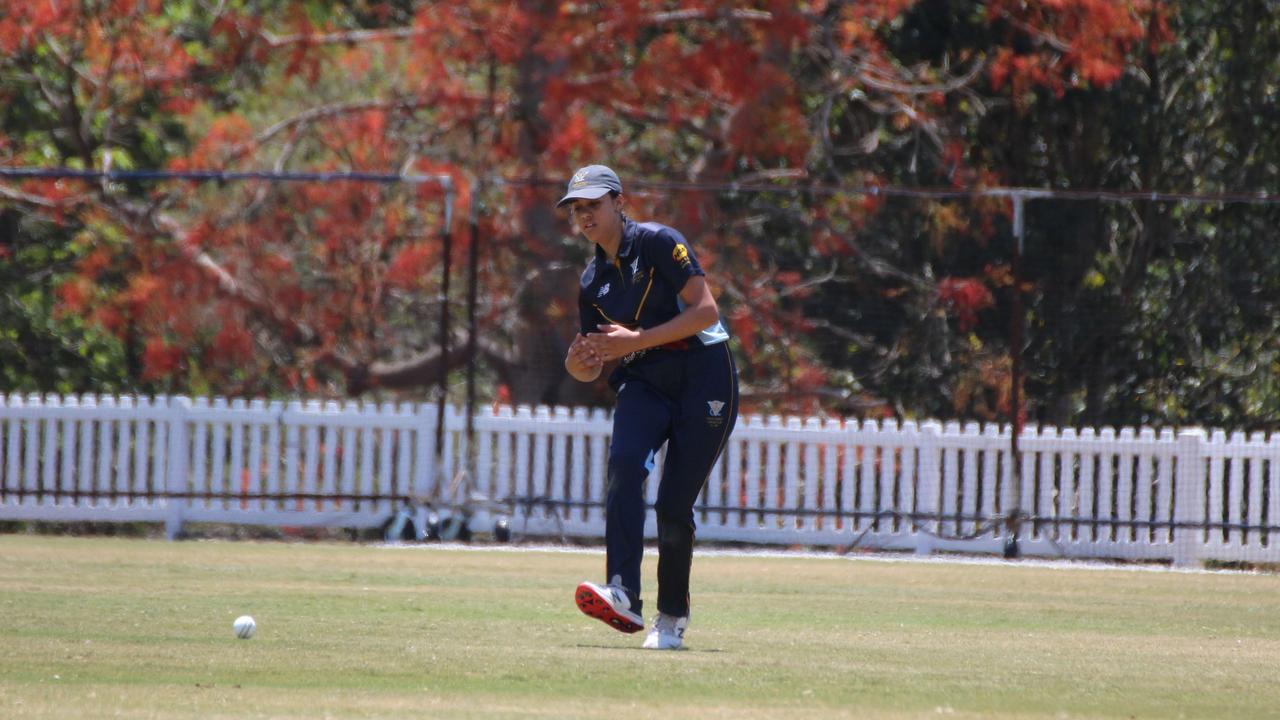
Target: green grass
{"x": 100, "y": 627}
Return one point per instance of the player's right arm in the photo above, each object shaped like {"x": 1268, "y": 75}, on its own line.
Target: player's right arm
{"x": 582, "y": 361}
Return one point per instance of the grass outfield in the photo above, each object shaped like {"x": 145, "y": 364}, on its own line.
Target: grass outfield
{"x": 100, "y": 627}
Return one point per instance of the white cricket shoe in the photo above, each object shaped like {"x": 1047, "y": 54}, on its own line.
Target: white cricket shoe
{"x": 667, "y": 632}
{"x": 610, "y": 604}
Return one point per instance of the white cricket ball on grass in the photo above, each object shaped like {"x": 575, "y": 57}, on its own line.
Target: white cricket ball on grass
{"x": 245, "y": 627}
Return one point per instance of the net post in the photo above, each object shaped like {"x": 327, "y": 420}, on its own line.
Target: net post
{"x": 446, "y": 183}
{"x": 1013, "y": 517}
{"x": 473, "y": 262}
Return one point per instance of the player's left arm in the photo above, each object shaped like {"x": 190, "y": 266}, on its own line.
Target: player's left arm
{"x": 700, "y": 312}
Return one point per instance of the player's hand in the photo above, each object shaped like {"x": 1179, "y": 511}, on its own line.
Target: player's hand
{"x": 615, "y": 341}
{"x": 583, "y": 356}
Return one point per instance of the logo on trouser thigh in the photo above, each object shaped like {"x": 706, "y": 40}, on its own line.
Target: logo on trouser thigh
{"x": 714, "y": 418}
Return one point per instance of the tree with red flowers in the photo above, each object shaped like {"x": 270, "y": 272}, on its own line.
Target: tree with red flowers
{"x": 788, "y": 111}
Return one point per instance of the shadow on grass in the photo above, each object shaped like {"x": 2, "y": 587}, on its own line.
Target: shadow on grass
{"x": 645, "y": 650}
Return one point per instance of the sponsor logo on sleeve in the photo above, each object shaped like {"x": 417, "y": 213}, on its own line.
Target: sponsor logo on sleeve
{"x": 681, "y": 255}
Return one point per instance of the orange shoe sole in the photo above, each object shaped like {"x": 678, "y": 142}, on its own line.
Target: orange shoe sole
{"x": 592, "y": 604}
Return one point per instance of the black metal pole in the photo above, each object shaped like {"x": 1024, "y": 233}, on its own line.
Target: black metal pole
{"x": 1013, "y": 516}
{"x": 473, "y": 262}
{"x": 446, "y": 270}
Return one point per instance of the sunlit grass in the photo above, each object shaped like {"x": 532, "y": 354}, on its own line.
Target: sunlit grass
{"x": 97, "y": 627}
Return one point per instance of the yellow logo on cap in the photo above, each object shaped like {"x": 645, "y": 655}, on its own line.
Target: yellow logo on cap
{"x": 579, "y": 178}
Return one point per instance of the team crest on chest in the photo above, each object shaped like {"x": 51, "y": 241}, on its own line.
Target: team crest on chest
{"x": 604, "y": 290}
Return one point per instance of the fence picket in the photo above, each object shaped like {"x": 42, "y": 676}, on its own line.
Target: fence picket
{"x": 257, "y": 480}
{"x": 402, "y": 486}
{"x": 928, "y": 492}
{"x": 773, "y": 458}
{"x": 970, "y": 486}
{"x": 1235, "y": 506}
{"x": 504, "y": 487}
{"x": 910, "y": 481}
{"x": 1216, "y": 486}
{"x": 13, "y": 450}
{"x": 1088, "y": 494}
{"x": 1127, "y": 483}
{"x": 1272, "y": 453}
{"x": 484, "y": 480}
{"x": 158, "y": 480}
{"x": 386, "y": 447}
{"x": 308, "y": 483}
{"x": 1256, "y": 482}
{"x": 236, "y": 477}
{"x": 49, "y": 445}
{"x": 1046, "y": 486}
{"x": 949, "y": 491}
{"x": 1068, "y": 486}
{"x": 217, "y": 456}
{"x": 559, "y": 463}
{"x": 176, "y": 482}
{"x": 792, "y": 482}
{"x": 753, "y": 481}
{"x": 868, "y": 483}
{"x": 124, "y": 451}
{"x": 1145, "y": 495}
{"x": 272, "y": 461}
{"x": 366, "y": 450}
{"x": 1164, "y": 489}
{"x": 293, "y": 459}
{"x": 1106, "y": 484}
{"x": 69, "y": 436}
{"x": 810, "y": 476}
{"x": 105, "y": 446}
{"x": 142, "y": 459}
{"x": 523, "y": 488}
{"x": 429, "y": 469}
{"x": 87, "y": 451}
{"x": 830, "y": 473}
{"x": 539, "y": 478}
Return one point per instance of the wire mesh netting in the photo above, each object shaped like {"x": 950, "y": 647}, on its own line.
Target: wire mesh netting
{"x": 1112, "y": 328}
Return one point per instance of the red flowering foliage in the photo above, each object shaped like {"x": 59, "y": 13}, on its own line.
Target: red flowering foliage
{"x": 312, "y": 285}
{"x": 1073, "y": 42}
{"x": 161, "y": 359}
{"x": 965, "y": 298}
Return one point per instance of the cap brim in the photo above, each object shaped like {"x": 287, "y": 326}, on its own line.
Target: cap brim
{"x": 586, "y": 193}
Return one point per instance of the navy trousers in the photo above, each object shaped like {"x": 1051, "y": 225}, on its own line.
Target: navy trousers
{"x": 689, "y": 400}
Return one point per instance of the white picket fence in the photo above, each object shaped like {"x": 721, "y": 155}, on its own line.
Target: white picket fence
{"x": 923, "y": 487}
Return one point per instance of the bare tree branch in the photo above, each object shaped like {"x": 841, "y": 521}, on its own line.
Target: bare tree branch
{"x": 675, "y": 16}
{"x": 38, "y": 201}
{"x": 1052, "y": 40}
{"x": 840, "y": 396}
{"x": 631, "y": 112}
{"x": 344, "y": 38}
{"x": 869, "y": 77}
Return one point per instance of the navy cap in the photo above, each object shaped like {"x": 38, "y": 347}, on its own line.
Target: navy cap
{"x": 591, "y": 182}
